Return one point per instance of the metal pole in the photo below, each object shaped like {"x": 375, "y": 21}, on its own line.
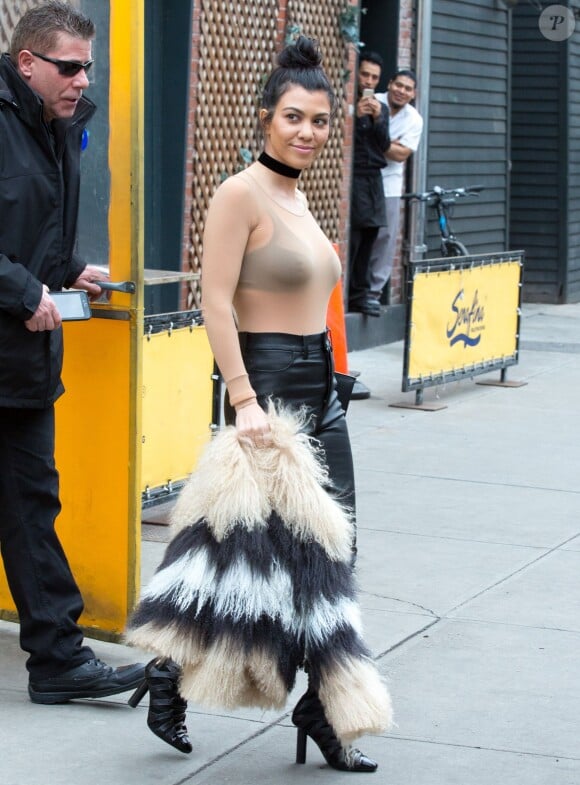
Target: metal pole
{"x": 419, "y": 174}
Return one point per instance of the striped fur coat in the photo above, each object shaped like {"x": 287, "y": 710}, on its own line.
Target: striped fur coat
{"x": 257, "y": 579}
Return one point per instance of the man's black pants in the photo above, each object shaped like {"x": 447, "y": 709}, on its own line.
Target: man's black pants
{"x": 362, "y": 241}
{"x": 45, "y": 593}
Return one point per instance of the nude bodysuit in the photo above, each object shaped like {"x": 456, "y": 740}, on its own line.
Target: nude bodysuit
{"x": 288, "y": 271}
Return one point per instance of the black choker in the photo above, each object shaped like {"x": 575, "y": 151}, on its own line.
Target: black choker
{"x": 278, "y": 167}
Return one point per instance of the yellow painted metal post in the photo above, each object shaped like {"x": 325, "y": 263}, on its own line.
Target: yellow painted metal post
{"x": 99, "y": 417}
{"x": 126, "y": 151}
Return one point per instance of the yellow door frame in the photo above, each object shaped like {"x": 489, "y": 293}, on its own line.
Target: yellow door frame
{"x": 99, "y": 418}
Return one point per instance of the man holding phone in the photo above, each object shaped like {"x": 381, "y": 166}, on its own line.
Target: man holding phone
{"x": 371, "y": 141}
{"x": 43, "y": 113}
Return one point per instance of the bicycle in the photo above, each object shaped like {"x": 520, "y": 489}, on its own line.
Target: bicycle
{"x": 441, "y": 200}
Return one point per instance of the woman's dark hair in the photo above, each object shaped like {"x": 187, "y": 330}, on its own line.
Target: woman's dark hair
{"x": 298, "y": 64}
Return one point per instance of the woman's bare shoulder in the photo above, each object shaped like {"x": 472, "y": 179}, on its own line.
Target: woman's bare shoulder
{"x": 235, "y": 202}
{"x": 235, "y": 187}
{"x": 236, "y": 196}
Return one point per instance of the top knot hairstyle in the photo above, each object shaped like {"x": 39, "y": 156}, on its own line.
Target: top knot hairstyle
{"x": 40, "y": 27}
{"x": 299, "y": 64}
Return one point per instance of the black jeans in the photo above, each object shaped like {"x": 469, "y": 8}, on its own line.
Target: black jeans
{"x": 42, "y": 586}
{"x": 298, "y": 370}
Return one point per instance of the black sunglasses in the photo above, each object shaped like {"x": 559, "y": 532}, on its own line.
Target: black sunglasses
{"x": 65, "y": 67}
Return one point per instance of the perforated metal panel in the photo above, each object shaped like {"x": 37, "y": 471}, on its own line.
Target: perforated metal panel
{"x": 322, "y": 182}
{"x": 236, "y": 51}
{"x": 10, "y": 13}
{"x": 238, "y": 42}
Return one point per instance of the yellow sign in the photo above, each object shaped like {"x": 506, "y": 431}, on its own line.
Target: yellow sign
{"x": 463, "y": 319}
{"x": 176, "y": 401}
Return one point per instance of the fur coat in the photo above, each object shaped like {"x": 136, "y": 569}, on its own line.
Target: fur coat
{"x": 258, "y": 580}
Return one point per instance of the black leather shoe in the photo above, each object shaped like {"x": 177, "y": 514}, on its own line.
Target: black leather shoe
{"x": 92, "y": 679}
{"x": 369, "y": 307}
{"x": 372, "y": 307}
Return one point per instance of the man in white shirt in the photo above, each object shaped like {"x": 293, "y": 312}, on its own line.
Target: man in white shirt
{"x": 405, "y": 126}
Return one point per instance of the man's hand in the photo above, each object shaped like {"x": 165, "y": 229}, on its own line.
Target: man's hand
{"x": 46, "y": 316}
{"x": 398, "y": 151}
{"x": 368, "y": 106}
{"x": 89, "y": 281}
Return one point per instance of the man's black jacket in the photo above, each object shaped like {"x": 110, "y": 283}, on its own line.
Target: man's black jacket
{"x": 39, "y": 198}
{"x": 371, "y": 142}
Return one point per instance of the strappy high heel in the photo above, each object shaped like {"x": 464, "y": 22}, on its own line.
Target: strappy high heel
{"x": 309, "y": 718}
{"x": 166, "y": 716}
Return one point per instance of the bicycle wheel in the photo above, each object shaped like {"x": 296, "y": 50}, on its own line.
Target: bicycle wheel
{"x": 453, "y": 248}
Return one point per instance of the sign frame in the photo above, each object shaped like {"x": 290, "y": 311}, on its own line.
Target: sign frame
{"x": 473, "y": 262}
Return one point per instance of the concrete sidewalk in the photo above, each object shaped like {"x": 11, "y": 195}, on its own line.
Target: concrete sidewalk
{"x": 469, "y": 564}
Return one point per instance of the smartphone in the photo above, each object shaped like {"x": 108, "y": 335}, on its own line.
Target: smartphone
{"x": 368, "y": 92}
{"x": 72, "y": 304}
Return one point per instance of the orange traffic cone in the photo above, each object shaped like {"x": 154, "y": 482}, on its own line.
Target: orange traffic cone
{"x": 337, "y": 327}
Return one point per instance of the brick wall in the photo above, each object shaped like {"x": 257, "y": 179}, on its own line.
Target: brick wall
{"x": 347, "y": 157}
{"x": 190, "y": 147}
{"x": 406, "y": 59}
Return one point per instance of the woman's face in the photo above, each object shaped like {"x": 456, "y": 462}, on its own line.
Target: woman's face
{"x": 299, "y": 126}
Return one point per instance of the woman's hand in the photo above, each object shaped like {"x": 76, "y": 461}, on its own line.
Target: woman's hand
{"x": 253, "y": 426}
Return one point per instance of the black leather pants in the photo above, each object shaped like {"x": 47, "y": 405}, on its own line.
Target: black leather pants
{"x": 299, "y": 371}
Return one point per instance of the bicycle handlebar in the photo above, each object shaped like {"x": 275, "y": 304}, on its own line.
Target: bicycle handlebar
{"x": 438, "y": 191}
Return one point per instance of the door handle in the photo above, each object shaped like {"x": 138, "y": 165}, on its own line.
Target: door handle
{"x": 121, "y": 286}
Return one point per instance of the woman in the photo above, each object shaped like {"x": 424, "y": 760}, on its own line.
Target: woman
{"x": 268, "y": 262}
{"x": 268, "y": 272}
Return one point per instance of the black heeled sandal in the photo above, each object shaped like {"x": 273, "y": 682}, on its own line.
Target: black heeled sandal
{"x": 309, "y": 718}
{"x": 166, "y": 716}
